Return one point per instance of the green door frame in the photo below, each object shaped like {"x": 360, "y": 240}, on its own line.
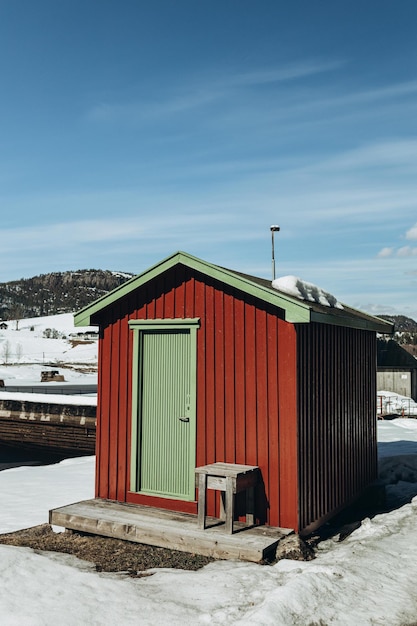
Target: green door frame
{"x": 138, "y": 327}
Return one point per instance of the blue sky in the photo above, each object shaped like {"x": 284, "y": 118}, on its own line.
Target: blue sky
{"x": 132, "y": 129}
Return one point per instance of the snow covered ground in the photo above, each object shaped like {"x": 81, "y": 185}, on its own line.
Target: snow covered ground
{"x": 390, "y": 403}
{"x": 369, "y": 578}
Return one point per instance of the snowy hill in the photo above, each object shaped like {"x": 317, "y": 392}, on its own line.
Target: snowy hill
{"x": 28, "y": 346}
{"x": 57, "y": 292}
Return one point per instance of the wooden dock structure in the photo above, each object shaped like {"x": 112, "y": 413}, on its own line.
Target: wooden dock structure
{"x": 48, "y": 426}
{"x": 168, "y": 529}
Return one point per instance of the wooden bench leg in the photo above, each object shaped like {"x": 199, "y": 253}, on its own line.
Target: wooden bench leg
{"x": 222, "y": 505}
{"x": 230, "y": 505}
{"x": 202, "y": 485}
{"x": 250, "y": 506}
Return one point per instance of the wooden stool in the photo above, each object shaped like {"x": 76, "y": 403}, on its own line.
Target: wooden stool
{"x": 230, "y": 479}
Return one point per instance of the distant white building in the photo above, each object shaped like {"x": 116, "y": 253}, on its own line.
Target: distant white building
{"x": 89, "y": 335}
{"x": 396, "y": 369}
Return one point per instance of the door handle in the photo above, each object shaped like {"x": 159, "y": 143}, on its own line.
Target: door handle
{"x": 184, "y": 419}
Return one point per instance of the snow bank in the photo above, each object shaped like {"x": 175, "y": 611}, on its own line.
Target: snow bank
{"x": 390, "y": 403}
{"x": 294, "y": 286}
{"x": 27, "y": 493}
{"x": 51, "y": 398}
{"x": 368, "y": 579}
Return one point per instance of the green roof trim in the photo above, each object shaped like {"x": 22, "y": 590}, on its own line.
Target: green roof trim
{"x": 296, "y": 311}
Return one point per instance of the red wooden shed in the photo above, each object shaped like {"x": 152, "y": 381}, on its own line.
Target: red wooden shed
{"x": 200, "y": 364}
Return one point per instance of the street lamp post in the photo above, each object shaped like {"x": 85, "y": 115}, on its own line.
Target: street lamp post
{"x": 274, "y": 229}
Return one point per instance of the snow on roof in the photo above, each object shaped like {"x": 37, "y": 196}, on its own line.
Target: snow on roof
{"x": 298, "y": 288}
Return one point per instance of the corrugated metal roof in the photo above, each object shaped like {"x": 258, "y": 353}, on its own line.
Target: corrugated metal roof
{"x": 321, "y": 310}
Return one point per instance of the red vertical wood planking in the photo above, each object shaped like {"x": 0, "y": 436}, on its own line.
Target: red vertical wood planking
{"x": 262, "y": 430}
{"x": 239, "y": 384}
{"x": 273, "y": 435}
{"x": 199, "y": 311}
{"x": 169, "y": 301}
{"x": 189, "y": 311}
{"x": 287, "y": 386}
{"x": 122, "y": 439}
{"x": 251, "y": 457}
{"x": 230, "y": 381}
{"x": 160, "y": 299}
{"x": 210, "y": 382}
{"x": 129, "y": 388}
{"x": 189, "y": 295}
{"x": 179, "y": 293}
{"x": 219, "y": 385}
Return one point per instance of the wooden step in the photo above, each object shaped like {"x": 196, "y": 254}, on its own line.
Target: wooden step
{"x": 168, "y": 529}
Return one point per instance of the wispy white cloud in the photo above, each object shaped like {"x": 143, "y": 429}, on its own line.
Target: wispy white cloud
{"x": 407, "y": 251}
{"x": 412, "y": 232}
{"x": 393, "y": 154}
{"x": 367, "y": 96}
{"x": 200, "y": 92}
{"x": 385, "y": 252}
{"x": 324, "y": 194}
{"x": 288, "y": 72}
{"x": 127, "y": 235}
{"x": 136, "y": 112}
{"x": 133, "y": 244}
{"x": 403, "y": 251}
{"x": 337, "y": 191}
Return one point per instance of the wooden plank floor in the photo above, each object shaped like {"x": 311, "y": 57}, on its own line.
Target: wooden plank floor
{"x": 167, "y": 529}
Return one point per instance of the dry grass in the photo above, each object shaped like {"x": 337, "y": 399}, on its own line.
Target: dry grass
{"x": 107, "y": 554}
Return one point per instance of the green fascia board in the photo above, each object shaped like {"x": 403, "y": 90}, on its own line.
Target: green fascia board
{"x": 296, "y": 311}
{"x": 83, "y": 317}
{"x": 165, "y": 324}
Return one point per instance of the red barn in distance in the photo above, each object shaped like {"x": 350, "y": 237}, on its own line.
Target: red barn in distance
{"x": 201, "y": 364}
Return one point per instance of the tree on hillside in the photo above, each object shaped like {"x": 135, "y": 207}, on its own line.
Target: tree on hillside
{"x": 6, "y": 352}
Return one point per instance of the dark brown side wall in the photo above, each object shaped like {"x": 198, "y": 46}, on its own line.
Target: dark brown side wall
{"x": 336, "y": 418}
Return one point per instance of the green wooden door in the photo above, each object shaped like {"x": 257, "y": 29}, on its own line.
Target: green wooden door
{"x": 166, "y": 412}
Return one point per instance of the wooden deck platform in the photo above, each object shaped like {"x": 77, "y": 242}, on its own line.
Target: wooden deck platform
{"x": 168, "y": 529}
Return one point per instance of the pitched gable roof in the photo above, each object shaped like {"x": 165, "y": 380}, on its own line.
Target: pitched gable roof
{"x": 295, "y": 310}
{"x": 391, "y": 355}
